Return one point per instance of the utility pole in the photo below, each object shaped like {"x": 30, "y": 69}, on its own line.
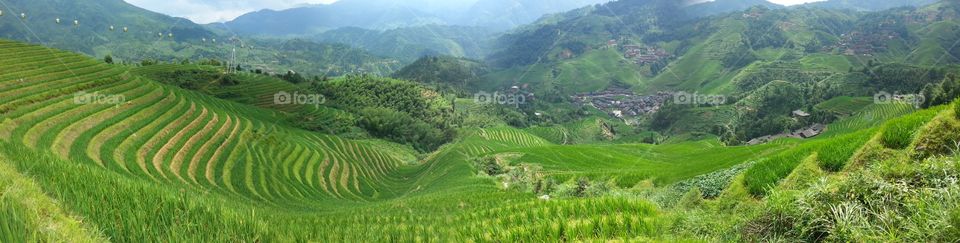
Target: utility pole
{"x": 233, "y": 60}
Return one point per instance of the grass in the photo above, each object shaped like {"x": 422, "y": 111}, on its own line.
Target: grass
{"x": 898, "y": 133}
{"x": 28, "y": 215}
{"x": 835, "y": 153}
{"x": 633, "y": 163}
{"x": 844, "y": 105}
{"x": 871, "y": 116}
{"x": 762, "y": 177}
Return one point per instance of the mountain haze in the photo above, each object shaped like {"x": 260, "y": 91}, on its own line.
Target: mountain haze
{"x": 387, "y": 14}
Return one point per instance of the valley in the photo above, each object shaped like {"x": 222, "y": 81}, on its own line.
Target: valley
{"x": 725, "y": 121}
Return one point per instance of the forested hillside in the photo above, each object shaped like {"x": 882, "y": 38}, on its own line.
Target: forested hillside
{"x": 130, "y": 34}
{"x": 752, "y": 58}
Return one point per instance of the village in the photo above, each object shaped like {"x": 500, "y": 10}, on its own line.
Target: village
{"x": 622, "y": 103}
{"x": 803, "y": 133}
{"x": 641, "y": 55}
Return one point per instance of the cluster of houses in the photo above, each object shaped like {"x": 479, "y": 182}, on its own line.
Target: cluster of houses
{"x": 644, "y": 55}
{"x": 921, "y": 17}
{"x": 641, "y": 55}
{"x": 858, "y": 43}
{"x": 866, "y": 43}
{"x": 807, "y": 132}
{"x": 623, "y": 103}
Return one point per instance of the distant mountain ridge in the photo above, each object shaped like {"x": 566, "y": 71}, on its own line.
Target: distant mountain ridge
{"x": 385, "y": 15}
{"x": 141, "y": 35}
{"x": 410, "y": 43}
{"x": 869, "y": 5}
{"x": 725, "y": 6}
{"x": 94, "y": 18}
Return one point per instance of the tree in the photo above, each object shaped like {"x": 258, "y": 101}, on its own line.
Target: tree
{"x": 582, "y": 185}
{"x": 293, "y": 77}
{"x": 108, "y": 59}
{"x": 402, "y": 128}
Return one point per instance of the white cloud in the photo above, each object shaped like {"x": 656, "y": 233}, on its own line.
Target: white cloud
{"x": 208, "y": 11}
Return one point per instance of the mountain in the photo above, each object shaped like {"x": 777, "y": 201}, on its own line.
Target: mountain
{"x": 94, "y": 18}
{"x": 869, "y": 5}
{"x": 507, "y": 14}
{"x": 409, "y": 43}
{"x": 443, "y": 71}
{"x": 754, "y": 58}
{"x": 141, "y": 35}
{"x": 386, "y": 14}
{"x": 313, "y": 19}
{"x": 725, "y": 6}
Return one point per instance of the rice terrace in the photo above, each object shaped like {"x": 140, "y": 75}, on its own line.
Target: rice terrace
{"x": 480, "y": 121}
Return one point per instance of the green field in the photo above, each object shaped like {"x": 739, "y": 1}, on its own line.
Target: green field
{"x": 631, "y": 164}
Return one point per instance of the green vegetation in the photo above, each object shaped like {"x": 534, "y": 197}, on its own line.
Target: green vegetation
{"x": 393, "y": 109}
{"x": 871, "y": 116}
{"x": 834, "y": 154}
{"x": 203, "y": 152}
{"x": 956, "y": 109}
{"x": 628, "y": 165}
{"x": 898, "y": 133}
{"x": 27, "y": 214}
{"x": 844, "y": 105}
{"x": 446, "y": 72}
{"x": 134, "y": 39}
{"x": 762, "y": 177}
{"x": 410, "y": 43}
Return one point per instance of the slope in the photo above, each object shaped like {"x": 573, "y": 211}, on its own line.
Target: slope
{"x": 100, "y": 114}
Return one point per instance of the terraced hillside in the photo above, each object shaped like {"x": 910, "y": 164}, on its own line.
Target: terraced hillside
{"x": 100, "y": 114}
{"x": 242, "y": 87}
{"x": 107, "y": 153}
{"x": 630, "y": 164}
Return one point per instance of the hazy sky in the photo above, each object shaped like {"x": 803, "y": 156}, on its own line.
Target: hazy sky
{"x": 792, "y": 2}
{"x": 207, "y": 11}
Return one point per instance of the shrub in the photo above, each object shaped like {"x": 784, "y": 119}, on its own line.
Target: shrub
{"x": 488, "y": 165}
{"x": 956, "y": 108}
{"x": 917, "y": 203}
{"x": 712, "y": 184}
{"x": 939, "y": 137}
{"x": 691, "y": 199}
